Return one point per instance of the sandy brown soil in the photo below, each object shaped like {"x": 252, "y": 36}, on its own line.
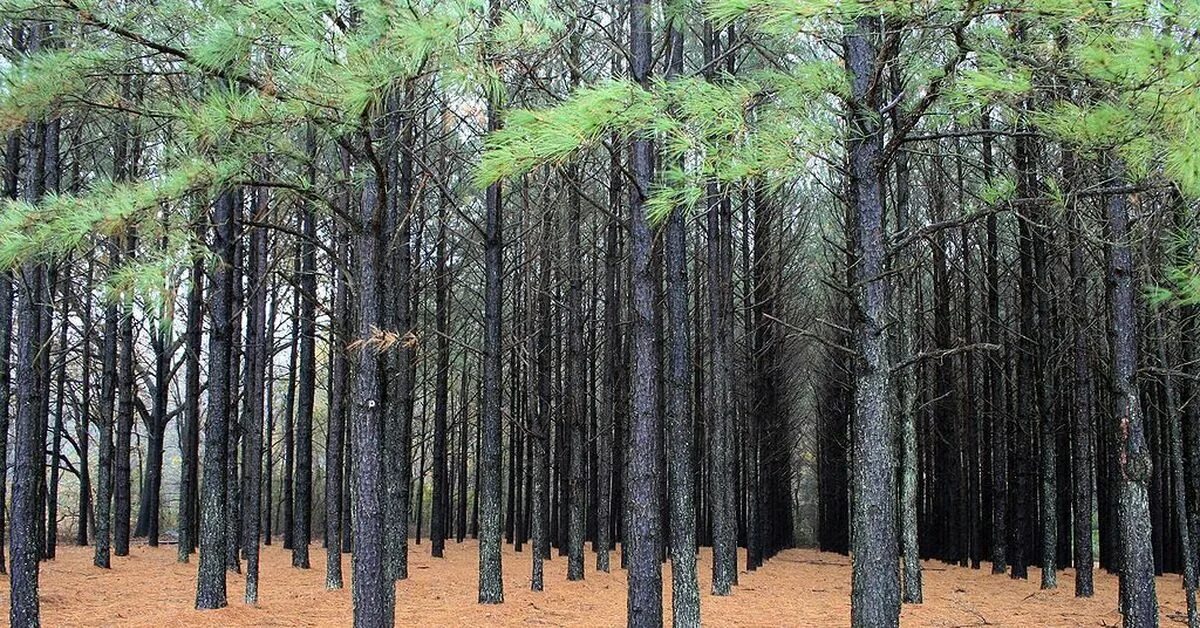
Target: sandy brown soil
{"x": 796, "y": 588}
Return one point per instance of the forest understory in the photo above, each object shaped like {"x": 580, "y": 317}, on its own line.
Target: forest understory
{"x": 798, "y": 587}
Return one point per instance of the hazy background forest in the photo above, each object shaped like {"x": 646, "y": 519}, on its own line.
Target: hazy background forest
{"x": 738, "y": 312}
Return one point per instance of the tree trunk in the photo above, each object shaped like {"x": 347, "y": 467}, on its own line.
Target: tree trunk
{"x": 1081, "y": 400}
{"x": 644, "y": 533}
{"x": 372, "y": 608}
{"x": 685, "y": 590}
{"x": 875, "y": 595}
{"x": 722, "y": 470}
{"x": 306, "y": 393}
{"x": 1139, "y": 604}
{"x": 258, "y": 354}
{"x": 440, "y": 508}
{"x": 335, "y": 445}
{"x": 210, "y": 585}
{"x": 190, "y": 476}
{"x": 491, "y": 582}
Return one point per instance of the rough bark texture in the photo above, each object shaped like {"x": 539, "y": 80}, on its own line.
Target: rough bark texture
{"x": 685, "y": 590}
{"x": 210, "y": 585}
{"x": 875, "y": 597}
{"x": 1139, "y": 604}
{"x": 491, "y": 583}
{"x": 644, "y": 532}
{"x": 371, "y": 600}
{"x": 306, "y": 394}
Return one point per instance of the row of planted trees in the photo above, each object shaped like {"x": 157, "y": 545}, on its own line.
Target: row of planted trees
{"x": 619, "y": 273}
{"x": 217, "y": 262}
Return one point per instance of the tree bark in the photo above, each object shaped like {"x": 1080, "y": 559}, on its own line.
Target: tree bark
{"x": 685, "y": 590}
{"x": 210, "y": 585}
{"x": 1139, "y": 604}
{"x": 875, "y": 594}
{"x": 644, "y": 533}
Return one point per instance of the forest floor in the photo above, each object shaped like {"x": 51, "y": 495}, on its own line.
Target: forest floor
{"x": 796, "y": 588}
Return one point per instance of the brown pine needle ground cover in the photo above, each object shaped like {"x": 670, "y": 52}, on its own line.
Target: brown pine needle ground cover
{"x": 796, "y": 588}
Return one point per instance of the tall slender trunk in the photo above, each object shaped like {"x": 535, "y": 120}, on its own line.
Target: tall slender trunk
{"x": 396, "y": 129}
{"x": 122, "y": 503}
{"x": 63, "y": 280}
{"x": 1081, "y": 398}
{"x": 685, "y": 590}
{"x": 287, "y": 498}
{"x": 994, "y": 378}
{"x": 12, "y": 165}
{"x": 1139, "y": 604}
{"x": 644, "y": 533}
{"x": 612, "y": 364}
{"x": 1023, "y": 499}
{"x": 237, "y": 386}
{"x": 875, "y": 592}
{"x": 108, "y": 391}
{"x": 440, "y": 508}
{"x": 1047, "y": 413}
{"x": 23, "y": 542}
{"x": 541, "y": 436}
{"x": 306, "y": 393}
{"x": 460, "y": 508}
{"x": 335, "y": 434}
{"x": 84, "y": 419}
{"x": 491, "y": 582}
{"x": 1174, "y": 460}
{"x": 190, "y": 476}
{"x": 28, "y": 457}
{"x": 372, "y": 607}
{"x": 906, "y": 387}
{"x": 721, "y": 451}
{"x": 210, "y": 586}
{"x": 258, "y": 354}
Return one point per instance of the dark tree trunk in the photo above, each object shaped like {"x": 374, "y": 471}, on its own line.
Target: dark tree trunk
{"x": 396, "y": 296}
{"x": 210, "y": 585}
{"x": 875, "y": 596}
{"x": 12, "y": 165}
{"x": 108, "y": 391}
{"x": 1139, "y": 604}
{"x": 491, "y": 582}
{"x": 84, "y": 418}
{"x": 995, "y": 382}
{"x": 237, "y": 386}
{"x": 612, "y": 365}
{"x": 440, "y": 508}
{"x": 287, "y": 518}
{"x": 541, "y": 435}
{"x": 722, "y": 469}
{"x": 1081, "y": 399}
{"x": 372, "y": 608}
{"x": 190, "y": 447}
{"x": 258, "y": 353}
{"x": 23, "y": 542}
{"x": 906, "y": 393}
{"x": 685, "y": 590}
{"x": 122, "y": 503}
{"x": 307, "y": 379}
{"x": 1174, "y": 459}
{"x": 1023, "y": 498}
{"x": 644, "y": 534}
{"x": 460, "y": 509}
{"x": 28, "y": 457}
{"x": 334, "y": 439}
{"x": 63, "y": 279}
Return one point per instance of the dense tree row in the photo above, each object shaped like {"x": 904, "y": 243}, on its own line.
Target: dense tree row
{"x": 637, "y": 275}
